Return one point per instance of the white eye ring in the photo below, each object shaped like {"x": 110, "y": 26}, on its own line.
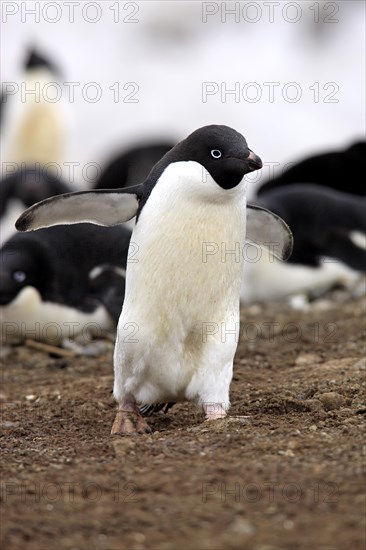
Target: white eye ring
{"x": 19, "y": 276}
{"x": 216, "y": 154}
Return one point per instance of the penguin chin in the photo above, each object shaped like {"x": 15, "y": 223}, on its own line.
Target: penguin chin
{"x": 231, "y": 173}
{"x": 235, "y": 190}
{"x": 229, "y": 184}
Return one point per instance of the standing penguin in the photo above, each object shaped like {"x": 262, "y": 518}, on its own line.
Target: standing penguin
{"x": 182, "y": 293}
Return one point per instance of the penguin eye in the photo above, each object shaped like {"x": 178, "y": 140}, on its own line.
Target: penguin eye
{"x": 216, "y": 154}
{"x": 19, "y": 276}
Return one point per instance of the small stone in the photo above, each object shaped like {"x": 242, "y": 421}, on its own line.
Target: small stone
{"x": 254, "y": 309}
{"x": 313, "y": 428}
{"x": 314, "y": 405}
{"x": 8, "y": 424}
{"x": 309, "y": 405}
{"x": 242, "y": 526}
{"x": 332, "y": 400}
{"x": 288, "y": 452}
{"x": 307, "y": 359}
{"x": 323, "y": 305}
{"x": 288, "y": 524}
{"x": 139, "y": 537}
{"x": 4, "y": 351}
{"x": 31, "y": 398}
{"x": 361, "y": 364}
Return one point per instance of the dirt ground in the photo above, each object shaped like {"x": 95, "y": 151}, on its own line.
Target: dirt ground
{"x": 284, "y": 471}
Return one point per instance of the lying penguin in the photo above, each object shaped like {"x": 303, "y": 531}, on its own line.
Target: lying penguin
{"x": 323, "y": 222}
{"x": 329, "y": 230}
{"x": 60, "y": 282}
{"x": 192, "y": 224}
{"x": 339, "y": 170}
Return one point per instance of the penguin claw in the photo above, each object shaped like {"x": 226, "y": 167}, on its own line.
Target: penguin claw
{"x": 214, "y": 411}
{"x": 128, "y": 422}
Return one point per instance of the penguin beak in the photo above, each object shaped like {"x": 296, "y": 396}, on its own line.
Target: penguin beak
{"x": 254, "y": 162}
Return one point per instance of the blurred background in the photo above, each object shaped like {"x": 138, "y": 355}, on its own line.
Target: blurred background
{"x": 163, "y": 69}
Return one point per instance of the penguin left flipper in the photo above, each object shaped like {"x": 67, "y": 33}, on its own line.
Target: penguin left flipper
{"x": 267, "y": 229}
{"x": 117, "y": 206}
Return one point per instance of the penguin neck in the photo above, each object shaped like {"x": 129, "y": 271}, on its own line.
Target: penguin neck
{"x": 186, "y": 191}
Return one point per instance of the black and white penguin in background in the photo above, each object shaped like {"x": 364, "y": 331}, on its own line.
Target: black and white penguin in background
{"x": 60, "y": 282}
{"x": 322, "y": 198}
{"x": 33, "y": 140}
{"x": 339, "y": 170}
{"x": 33, "y": 126}
{"x": 191, "y": 216}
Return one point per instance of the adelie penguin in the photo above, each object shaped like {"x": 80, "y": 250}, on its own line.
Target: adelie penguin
{"x": 61, "y": 282}
{"x": 324, "y": 223}
{"x": 193, "y": 200}
{"x": 329, "y": 230}
{"x": 34, "y": 126}
{"x": 33, "y": 141}
{"x": 338, "y": 170}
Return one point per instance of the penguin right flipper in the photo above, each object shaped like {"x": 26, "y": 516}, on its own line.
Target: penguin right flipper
{"x": 117, "y": 206}
{"x": 264, "y": 228}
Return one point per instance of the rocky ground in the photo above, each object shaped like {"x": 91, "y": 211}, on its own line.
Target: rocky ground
{"x": 284, "y": 471}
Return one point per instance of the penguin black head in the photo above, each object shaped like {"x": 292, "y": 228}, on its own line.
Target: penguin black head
{"x": 19, "y": 267}
{"x": 222, "y": 151}
{"x": 36, "y": 60}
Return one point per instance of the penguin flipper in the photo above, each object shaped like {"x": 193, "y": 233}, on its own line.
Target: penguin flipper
{"x": 105, "y": 207}
{"x": 267, "y": 229}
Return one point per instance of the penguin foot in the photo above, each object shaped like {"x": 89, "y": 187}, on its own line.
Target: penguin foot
{"x": 214, "y": 411}
{"x": 129, "y": 421}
